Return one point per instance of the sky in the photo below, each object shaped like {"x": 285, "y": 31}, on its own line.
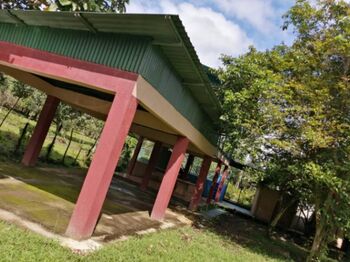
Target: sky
{"x": 228, "y": 27}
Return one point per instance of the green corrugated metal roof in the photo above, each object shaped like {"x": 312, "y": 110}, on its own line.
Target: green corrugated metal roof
{"x": 166, "y": 31}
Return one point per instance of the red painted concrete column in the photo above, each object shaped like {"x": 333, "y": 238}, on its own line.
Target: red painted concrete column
{"x": 214, "y": 181}
{"x": 151, "y": 164}
{"x": 40, "y": 132}
{"x": 203, "y": 173}
{"x": 221, "y": 184}
{"x": 104, "y": 162}
{"x": 168, "y": 183}
{"x": 133, "y": 160}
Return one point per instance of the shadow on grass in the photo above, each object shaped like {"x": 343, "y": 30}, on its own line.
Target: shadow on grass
{"x": 7, "y": 142}
{"x": 248, "y": 233}
{"x": 56, "y": 158}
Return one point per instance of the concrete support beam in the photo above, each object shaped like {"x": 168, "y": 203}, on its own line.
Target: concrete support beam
{"x": 168, "y": 183}
{"x": 202, "y": 177}
{"x": 221, "y": 184}
{"x": 40, "y": 132}
{"x": 214, "y": 181}
{"x": 104, "y": 162}
{"x": 133, "y": 160}
{"x": 151, "y": 164}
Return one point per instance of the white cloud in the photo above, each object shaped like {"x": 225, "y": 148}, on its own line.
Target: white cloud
{"x": 258, "y": 13}
{"x": 211, "y": 33}
{"x": 139, "y": 6}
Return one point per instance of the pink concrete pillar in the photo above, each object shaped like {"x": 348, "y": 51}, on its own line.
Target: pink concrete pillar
{"x": 203, "y": 173}
{"x": 40, "y": 132}
{"x": 133, "y": 160}
{"x": 104, "y": 162}
{"x": 221, "y": 184}
{"x": 214, "y": 181}
{"x": 168, "y": 183}
{"x": 151, "y": 164}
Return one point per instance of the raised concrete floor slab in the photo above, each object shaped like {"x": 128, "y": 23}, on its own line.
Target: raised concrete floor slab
{"x": 46, "y": 196}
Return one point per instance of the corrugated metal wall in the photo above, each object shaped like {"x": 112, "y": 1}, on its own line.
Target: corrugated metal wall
{"x": 129, "y": 53}
{"x": 157, "y": 71}
{"x": 124, "y": 52}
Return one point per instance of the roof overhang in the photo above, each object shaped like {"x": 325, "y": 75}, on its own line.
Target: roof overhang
{"x": 166, "y": 31}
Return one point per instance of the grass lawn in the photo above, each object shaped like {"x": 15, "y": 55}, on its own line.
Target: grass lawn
{"x": 10, "y": 132}
{"x": 185, "y": 244}
{"x": 76, "y": 156}
{"x": 228, "y": 238}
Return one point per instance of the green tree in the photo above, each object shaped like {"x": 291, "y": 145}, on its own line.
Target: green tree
{"x": 34, "y": 103}
{"x": 288, "y": 110}
{"x": 67, "y": 5}
{"x": 62, "y": 116}
{"x": 20, "y": 91}
{"x": 3, "y": 88}
{"x": 93, "y": 130}
{"x": 76, "y": 121}
{"x": 2, "y": 82}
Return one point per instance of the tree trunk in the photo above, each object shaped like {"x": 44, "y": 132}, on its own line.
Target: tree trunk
{"x": 9, "y": 112}
{"x": 323, "y": 229}
{"x": 90, "y": 150}
{"x": 19, "y": 142}
{"x": 239, "y": 195}
{"x": 50, "y": 148}
{"x": 239, "y": 179}
{"x": 317, "y": 243}
{"x": 278, "y": 216}
{"x": 77, "y": 156}
{"x": 70, "y": 141}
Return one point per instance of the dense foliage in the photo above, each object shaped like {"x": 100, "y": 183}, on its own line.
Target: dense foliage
{"x": 288, "y": 110}
{"x": 67, "y": 5}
